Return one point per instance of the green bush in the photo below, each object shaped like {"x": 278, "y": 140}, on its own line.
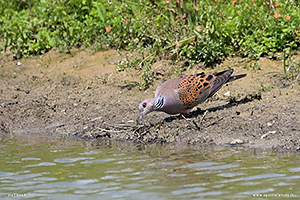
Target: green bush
{"x": 203, "y": 31}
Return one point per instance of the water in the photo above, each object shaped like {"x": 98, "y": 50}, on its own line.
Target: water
{"x": 43, "y": 167}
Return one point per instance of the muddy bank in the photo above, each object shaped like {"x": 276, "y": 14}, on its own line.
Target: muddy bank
{"x": 80, "y": 94}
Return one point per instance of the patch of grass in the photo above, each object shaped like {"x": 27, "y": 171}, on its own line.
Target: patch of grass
{"x": 88, "y": 86}
{"x": 253, "y": 65}
{"x": 265, "y": 88}
{"x": 103, "y": 80}
{"x": 291, "y": 68}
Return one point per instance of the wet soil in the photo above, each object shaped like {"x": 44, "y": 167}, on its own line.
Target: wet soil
{"x": 80, "y": 94}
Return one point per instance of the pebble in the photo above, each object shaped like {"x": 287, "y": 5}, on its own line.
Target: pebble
{"x": 272, "y": 132}
{"x": 96, "y": 119}
{"x": 267, "y": 134}
{"x": 264, "y": 135}
{"x": 236, "y": 141}
{"x": 227, "y": 93}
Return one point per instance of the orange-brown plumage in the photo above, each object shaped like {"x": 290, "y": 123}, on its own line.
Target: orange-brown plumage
{"x": 192, "y": 88}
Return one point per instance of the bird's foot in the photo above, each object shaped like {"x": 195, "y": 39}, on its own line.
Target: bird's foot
{"x": 183, "y": 116}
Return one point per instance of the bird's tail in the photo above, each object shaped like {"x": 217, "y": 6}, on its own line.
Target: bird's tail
{"x": 222, "y": 78}
{"x": 236, "y": 77}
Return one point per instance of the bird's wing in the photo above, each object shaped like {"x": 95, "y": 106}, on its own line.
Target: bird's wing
{"x": 194, "y": 89}
{"x": 190, "y": 90}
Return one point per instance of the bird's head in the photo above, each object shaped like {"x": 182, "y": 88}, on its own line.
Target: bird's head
{"x": 146, "y": 106}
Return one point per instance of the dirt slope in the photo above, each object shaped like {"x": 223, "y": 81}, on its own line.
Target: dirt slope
{"x": 80, "y": 94}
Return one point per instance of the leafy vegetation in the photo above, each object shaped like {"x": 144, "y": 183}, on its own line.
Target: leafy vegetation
{"x": 291, "y": 68}
{"x": 201, "y": 31}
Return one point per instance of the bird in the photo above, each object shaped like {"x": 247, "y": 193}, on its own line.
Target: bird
{"x": 181, "y": 94}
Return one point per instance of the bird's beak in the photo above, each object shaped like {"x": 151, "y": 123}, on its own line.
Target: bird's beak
{"x": 142, "y": 115}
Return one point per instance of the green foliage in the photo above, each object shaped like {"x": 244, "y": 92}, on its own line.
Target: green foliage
{"x": 201, "y": 31}
{"x": 291, "y": 68}
{"x": 265, "y": 88}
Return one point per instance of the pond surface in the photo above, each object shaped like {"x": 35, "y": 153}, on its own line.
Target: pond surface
{"x": 47, "y": 167}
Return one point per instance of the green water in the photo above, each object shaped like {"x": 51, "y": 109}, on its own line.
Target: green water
{"x": 43, "y": 167}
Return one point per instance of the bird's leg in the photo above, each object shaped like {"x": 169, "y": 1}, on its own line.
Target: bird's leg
{"x": 187, "y": 120}
{"x": 203, "y": 117}
{"x": 183, "y": 116}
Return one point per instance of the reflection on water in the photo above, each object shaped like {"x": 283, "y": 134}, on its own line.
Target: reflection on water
{"x": 39, "y": 166}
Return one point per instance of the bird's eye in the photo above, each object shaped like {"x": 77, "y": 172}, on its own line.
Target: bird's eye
{"x": 144, "y": 105}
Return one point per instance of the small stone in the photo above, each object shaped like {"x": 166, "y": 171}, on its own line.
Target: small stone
{"x": 236, "y": 141}
{"x": 269, "y": 124}
{"x": 264, "y": 136}
{"x": 18, "y": 63}
{"x": 272, "y": 132}
{"x": 95, "y": 119}
{"x": 227, "y": 94}
{"x": 267, "y": 134}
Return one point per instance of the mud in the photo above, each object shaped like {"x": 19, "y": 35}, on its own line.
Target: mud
{"x": 79, "y": 94}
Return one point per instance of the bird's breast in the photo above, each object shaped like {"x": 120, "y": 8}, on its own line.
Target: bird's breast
{"x": 173, "y": 105}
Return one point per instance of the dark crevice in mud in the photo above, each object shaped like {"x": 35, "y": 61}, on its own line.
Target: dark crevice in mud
{"x": 3, "y": 128}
